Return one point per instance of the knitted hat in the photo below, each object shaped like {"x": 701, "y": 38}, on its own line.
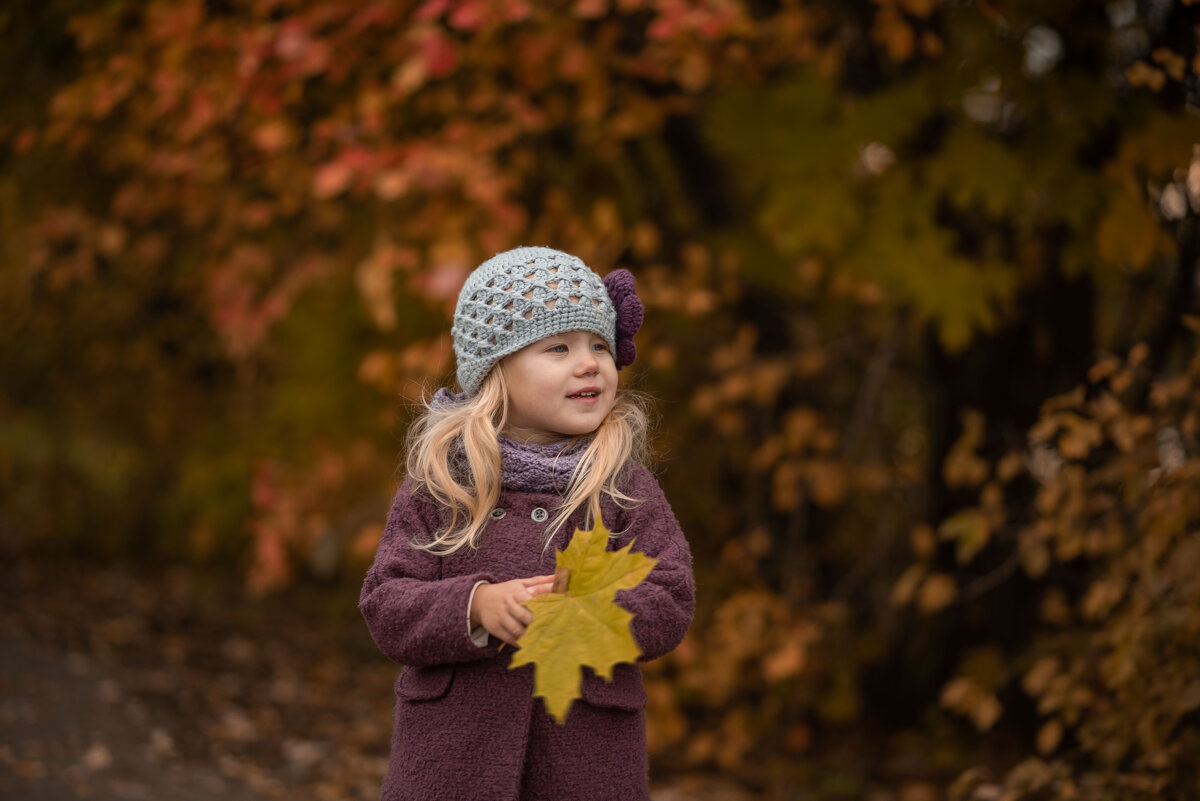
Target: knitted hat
{"x": 520, "y": 296}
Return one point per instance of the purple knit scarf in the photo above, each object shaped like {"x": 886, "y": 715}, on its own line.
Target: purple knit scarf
{"x": 529, "y": 467}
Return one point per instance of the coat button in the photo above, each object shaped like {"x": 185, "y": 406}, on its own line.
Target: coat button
{"x": 539, "y": 515}
{"x": 497, "y": 513}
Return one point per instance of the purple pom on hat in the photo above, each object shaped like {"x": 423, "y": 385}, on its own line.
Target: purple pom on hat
{"x": 622, "y": 291}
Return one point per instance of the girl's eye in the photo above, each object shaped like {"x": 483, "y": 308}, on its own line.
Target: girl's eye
{"x": 600, "y": 346}
{"x": 558, "y": 349}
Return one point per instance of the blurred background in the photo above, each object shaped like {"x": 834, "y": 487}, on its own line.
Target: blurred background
{"x": 920, "y": 280}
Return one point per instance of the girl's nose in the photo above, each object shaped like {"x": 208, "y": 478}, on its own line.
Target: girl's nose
{"x": 587, "y": 364}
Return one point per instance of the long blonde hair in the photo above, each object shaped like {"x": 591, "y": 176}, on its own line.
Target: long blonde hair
{"x": 454, "y": 452}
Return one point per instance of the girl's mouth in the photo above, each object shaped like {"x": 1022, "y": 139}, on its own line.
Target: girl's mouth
{"x": 587, "y": 394}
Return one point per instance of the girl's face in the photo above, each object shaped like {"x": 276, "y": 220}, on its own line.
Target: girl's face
{"x": 560, "y": 386}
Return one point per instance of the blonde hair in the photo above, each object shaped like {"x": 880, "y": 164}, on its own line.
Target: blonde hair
{"x": 454, "y": 452}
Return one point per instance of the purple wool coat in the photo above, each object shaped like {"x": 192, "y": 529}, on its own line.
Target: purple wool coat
{"x": 467, "y": 728}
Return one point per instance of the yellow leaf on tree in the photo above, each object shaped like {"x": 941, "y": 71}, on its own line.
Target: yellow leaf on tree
{"x": 583, "y": 626}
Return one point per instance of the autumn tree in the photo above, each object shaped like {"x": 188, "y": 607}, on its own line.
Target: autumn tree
{"x": 962, "y": 244}
{"x": 875, "y": 241}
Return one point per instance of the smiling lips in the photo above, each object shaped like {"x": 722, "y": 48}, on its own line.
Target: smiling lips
{"x": 587, "y": 394}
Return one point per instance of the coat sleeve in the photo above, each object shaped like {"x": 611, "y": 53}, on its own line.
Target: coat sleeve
{"x": 415, "y": 616}
{"x": 663, "y": 604}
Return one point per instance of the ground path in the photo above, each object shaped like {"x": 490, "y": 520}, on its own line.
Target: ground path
{"x": 160, "y": 685}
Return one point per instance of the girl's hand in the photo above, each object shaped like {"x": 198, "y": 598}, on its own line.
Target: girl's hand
{"x": 498, "y": 607}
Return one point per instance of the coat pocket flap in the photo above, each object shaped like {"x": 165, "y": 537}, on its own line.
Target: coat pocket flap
{"x": 625, "y": 691}
{"x": 424, "y": 683}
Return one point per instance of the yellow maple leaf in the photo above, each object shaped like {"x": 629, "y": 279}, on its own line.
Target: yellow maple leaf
{"x": 584, "y": 625}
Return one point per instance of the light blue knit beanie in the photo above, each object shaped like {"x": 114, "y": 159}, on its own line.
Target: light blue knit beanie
{"x": 520, "y": 296}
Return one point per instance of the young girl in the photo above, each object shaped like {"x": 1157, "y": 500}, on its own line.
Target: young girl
{"x": 540, "y": 441}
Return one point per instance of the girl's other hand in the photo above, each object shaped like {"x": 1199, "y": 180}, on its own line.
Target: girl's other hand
{"x": 499, "y": 607}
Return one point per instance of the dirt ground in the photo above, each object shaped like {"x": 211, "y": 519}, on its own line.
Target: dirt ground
{"x": 157, "y": 684}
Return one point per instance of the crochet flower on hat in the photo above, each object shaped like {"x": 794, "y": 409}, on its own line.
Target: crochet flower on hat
{"x": 622, "y": 291}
